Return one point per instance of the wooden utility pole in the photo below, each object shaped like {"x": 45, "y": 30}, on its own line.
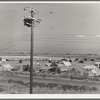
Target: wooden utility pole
{"x": 30, "y": 22}
{"x": 31, "y": 54}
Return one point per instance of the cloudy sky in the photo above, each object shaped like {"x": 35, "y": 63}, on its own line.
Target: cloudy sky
{"x": 64, "y": 28}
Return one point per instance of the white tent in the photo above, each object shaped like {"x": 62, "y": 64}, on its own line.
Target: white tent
{"x": 38, "y": 63}
{"x": 60, "y": 65}
{"x": 7, "y": 67}
{"x": 50, "y": 59}
{"x": 3, "y": 60}
{"x": 64, "y": 70}
{"x": 66, "y": 63}
{"x": 97, "y": 64}
{"x": 89, "y": 67}
{"x": 48, "y": 64}
{"x": 34, "y": 62}
{"x": 94, "y": 71}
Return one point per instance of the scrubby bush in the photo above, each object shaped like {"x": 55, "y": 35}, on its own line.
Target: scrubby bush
{"x": 26, "y": 67}
{"x": 85, "y": 59}
{"x": 58, "y": 70}
{"x": 64, "y": 75}
{"x": 41, "y": 85}
{"x": 10, "y": 81}
{"x": 92, "y": 60}
{"x": 85, "y": 75}
{"x": 76, "y": 88}
{"x": 55, "y": 70}
{"x": 70, "y": 60}
{"x": 35, "y": 84}
{"x": 51, "y": 85}
{"x": 20, "y": 61}
{"x": 81, "y": 61}
{"x": 18, "y": 82}
{"x": 1, "y": 89}
{"x": 93, "y": 89}
{"x": 53, "y": 65}
{"x": 76, "y": 59}
{"x": 64, "y": 87}
{"x": 7, "y": 60}
{"x": 72, "y": 73}
{"x": 93, "y": 78}
{"x": 82, "y": 88}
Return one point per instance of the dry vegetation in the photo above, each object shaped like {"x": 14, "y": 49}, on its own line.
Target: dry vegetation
{"x": 19, "y": 87}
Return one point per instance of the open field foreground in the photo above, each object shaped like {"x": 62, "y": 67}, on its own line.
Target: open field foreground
{"x": 20, "y": 85}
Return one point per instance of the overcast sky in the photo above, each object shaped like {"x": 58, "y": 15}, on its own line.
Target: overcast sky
{"x": 70, "y": 28}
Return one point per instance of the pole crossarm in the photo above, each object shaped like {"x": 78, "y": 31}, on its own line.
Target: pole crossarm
{"x": 31, "y": 10}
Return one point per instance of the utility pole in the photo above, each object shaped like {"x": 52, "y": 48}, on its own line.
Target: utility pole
{"x": 30, "y": 21}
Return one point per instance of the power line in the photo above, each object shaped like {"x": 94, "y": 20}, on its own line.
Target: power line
{"x": 9, "y": 47}
{"x": 52, "y": 12}
{"x": 72, "y": 41}
{"x": 9, "y": 40}
{"x": 69, "y": 41}
{"x": 54, "y": 36}
{"x": 63, "y": 39}
{"x": 65, "y": 12}
{"x": 65, "y": 36}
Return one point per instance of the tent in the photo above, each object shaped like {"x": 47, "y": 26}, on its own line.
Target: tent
{"x": 66, "y": 63}
{"x": 48, "y": 64}
{"x": 89, "y": 67}
{"x": 93, "y": 72}
{"x": 97, "y": 64}
{"x": 7, "y": 67}
{"x": 64, "y": 70}
{"x": 60, "y": 65}
{"x": 3, "y": 60}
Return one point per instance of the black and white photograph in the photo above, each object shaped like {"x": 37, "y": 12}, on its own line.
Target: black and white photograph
{"x": 50, "y": 48}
